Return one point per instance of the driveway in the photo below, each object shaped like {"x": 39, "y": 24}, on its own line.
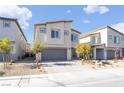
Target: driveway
{"x": 63, "y": 66}
{"x": 69, "y": 75}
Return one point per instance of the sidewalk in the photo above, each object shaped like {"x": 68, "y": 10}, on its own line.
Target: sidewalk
{"x": 75, "y": 78}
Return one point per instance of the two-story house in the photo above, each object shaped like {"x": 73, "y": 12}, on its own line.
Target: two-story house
{"x": 104, "y": 42}
{"x": 10, "y": 28}
{"x": 58, "y": 39}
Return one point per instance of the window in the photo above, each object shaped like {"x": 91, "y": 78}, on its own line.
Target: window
{"x": 54, "y": 34}
{"x": 74, "y": 38}
{"x": 12, "y": 49}
{"x": 116, "y": 39}
{"x": 6, "y": 24}
{"x": 66, "y": 32}
{"x": 122, "y": 38}
{"x": 109, "y": 36}
{"x": 42, "y": 30}
{"x": 95, "y": 39}
{"x": 57, "y": 34}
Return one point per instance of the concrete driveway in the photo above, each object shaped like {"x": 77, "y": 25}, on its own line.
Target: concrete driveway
{"x": 69, "y": 75}
{"x": 63, "y": 66}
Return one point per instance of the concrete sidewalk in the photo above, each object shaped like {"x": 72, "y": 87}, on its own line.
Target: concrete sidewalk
{"x": 75, "y": 78}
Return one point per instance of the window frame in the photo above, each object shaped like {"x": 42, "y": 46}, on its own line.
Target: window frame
{"x": 110, "y": 37}
{"x": 116, "y": 40}
{"x": 74, "y": 37}
{"x": 122, "y": 38}
{"x": 66, "y": 32}
{"x": 55, "y": 34}
{"x": 5, "y": 22}
{"x": 42, "y": 30}
{"x": 12, "y": 49}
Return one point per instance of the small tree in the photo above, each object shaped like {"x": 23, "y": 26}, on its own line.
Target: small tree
{"x": 5, "y": 48}
{"x": 84, "y": 51}
{"x": 37, "y": 50}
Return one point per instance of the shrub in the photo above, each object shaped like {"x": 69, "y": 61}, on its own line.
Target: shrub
{"x": 2, "y": 73}
{"x": 84, "y": 50}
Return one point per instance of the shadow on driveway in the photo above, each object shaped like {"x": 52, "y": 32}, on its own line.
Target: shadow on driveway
{"x": 63, "y": 64}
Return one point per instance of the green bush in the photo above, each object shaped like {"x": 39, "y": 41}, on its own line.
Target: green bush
{"x": 12, "y": 61}
{"x": 2, "y": 73}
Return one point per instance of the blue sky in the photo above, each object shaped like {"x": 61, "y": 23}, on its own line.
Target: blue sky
{"x": 85, "y": 18}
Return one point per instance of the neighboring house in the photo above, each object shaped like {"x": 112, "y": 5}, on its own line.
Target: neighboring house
{"x": 28, "y": 48}
{"x": 10, "y": 28}
{"x": 104, "y": 41}
{"x": 58, "y": 39}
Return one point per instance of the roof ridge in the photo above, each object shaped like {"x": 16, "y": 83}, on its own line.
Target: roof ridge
{"x": 48, "y": 22}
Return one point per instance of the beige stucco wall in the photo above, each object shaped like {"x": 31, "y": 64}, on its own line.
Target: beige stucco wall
{"x": 64, "y": 41}
{"x": 84, "y": 40}
{"x": 46, "y": 40}
{"x": 103, "y": 36}
{"x": 7, "y": 32}
{"x": 13, "y": 34}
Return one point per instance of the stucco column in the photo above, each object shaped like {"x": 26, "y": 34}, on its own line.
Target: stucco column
{"x": 78, "y": 55}
{"x": 94, "y": 53}
{"x": 105, "y": 53}
{"x": 120, "y": 51}
{"x": 68, "y": 53}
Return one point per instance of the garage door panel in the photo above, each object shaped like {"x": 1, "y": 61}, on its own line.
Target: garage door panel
{"x": 99, "y": 54}
{"x": 54, "y": 54}
{"x": 1, "y": 58}
{"x": 110, "y": 54}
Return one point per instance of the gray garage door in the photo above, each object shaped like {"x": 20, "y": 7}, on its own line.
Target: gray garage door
{"x": 0, "y": 57}
{"x": 99, "y": 54}
{"x": 110, "y": 54}
{"x": 54, "y": 54}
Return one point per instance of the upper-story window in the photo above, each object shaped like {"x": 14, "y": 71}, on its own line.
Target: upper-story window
{"x": 74, "y": 38}
{"x": 66, "y": 32}
{"x": 110, "y": 37}
{"x": 95, "y": 39}
{"x": 6, "y": 24}
{"x": 116, "y": 39}
{"x": 55, "y": 33}
{"x": 12, "y": 49}
{"x": 122, "y": 38}
{"x": 42, "y": 30}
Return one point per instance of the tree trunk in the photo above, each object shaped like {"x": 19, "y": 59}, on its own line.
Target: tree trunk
{"x": 6, "y": 60}
{"x": 3, "y": 61}
{"x": 38, "y": 59}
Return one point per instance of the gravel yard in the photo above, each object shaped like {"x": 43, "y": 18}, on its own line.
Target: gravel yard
{"x": 24, "y": 67}
{"x": 28, "y": 67}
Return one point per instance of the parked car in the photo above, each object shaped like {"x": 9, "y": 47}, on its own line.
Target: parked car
{"x": 121, "y": 57}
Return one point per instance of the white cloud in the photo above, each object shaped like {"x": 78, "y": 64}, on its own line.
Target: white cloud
{"x": 96, "y": 8}
{"x": 86, "y": 21}
{"x": 23, "y": 14}
{"x": 68, "y": 11}
{"x": 119, "y": 27}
